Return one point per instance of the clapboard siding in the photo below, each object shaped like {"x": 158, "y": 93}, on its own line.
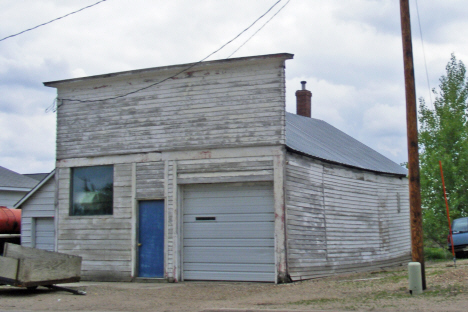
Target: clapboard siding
{"x": 225, "y": 170}
{"x": 150, "y": 180}
{"x": 343, "y": 220}
{"x": 306, "y": 236}
{"x": 10, "y": 198}
{"x": 41, "y": 204}
{"x": 215, "y": 105}
{"x": 100, "y": 240}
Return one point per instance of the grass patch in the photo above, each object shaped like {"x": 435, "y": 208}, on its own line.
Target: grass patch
{"x": 435, "y": 272}
{"x": 395, "y": 278}
{"x": 318, "y": 301}
{"x": 388, "y": 295}
{"x": 447, "y": 291}
{"x": 436, "y": 254}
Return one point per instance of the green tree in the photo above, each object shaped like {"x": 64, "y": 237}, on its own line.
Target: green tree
{"x": 443, "y": 135}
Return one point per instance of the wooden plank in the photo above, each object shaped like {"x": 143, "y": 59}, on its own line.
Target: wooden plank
{"x": 8, "y": 268}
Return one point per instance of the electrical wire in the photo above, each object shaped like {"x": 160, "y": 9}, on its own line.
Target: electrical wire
{"x": 258, "y": 29}
{"x": 424, "y": 54}
{"x": 61, "y": 101}
{"x": 56, "y": 19}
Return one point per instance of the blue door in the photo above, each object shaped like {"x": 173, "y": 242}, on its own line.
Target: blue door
{"x": 151, "y": 239}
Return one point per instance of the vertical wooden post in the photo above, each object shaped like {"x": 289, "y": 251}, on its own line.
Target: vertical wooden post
{"x": 417, "y": 251}
{"x": 448, "y": 211}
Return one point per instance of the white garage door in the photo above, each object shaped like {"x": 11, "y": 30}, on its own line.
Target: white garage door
{"x": 229, "y": 232}
{"x": 45, "y": 234}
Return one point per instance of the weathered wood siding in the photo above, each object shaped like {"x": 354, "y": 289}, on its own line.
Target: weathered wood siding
{"x": 40, "y": 205}
{"x": 150, "y": 180}
{"x": 225, "y": 170}
{"x": 213, "y": 105}
{"x": 171, "y": 232}
{"x": 104, "y": 242}
{"x": 343, "y": 220}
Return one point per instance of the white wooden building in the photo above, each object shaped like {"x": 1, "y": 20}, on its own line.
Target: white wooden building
{"x": 37, "y": 217}
{"x": 202, "y": 175}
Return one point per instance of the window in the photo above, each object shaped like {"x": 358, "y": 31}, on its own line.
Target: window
{"x": 92, "y": 191}
{"x": 460, "y": 225}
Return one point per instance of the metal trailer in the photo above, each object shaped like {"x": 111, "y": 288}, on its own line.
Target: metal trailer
{"x": 30, "y": 267}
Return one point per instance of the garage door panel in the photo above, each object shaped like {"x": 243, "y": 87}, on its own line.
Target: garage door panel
{"x": 243, "y": 255}
{"x": 229, "y": 267}
{"x": 240, "y": 205}
{"x": 216, "y": 242}
{"x": 231, "y": 217}
{"x": 235, "y": 241}
{"x": 218, "y": 191}
{"x": 229, "y": 230}
{"x": 45, "y": 233}
{"x": 229, "y": 276}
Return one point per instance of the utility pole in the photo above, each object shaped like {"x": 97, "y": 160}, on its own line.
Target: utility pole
{"x": 417, "y": 251}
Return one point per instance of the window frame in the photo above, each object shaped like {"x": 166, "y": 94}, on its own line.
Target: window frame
{"x": 91, "y": 212}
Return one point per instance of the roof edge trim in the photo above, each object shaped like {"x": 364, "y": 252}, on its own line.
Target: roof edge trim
{"x": 284, "y": 56}
{"x": 31, "y": 192}
{"x": 289, "y": 149}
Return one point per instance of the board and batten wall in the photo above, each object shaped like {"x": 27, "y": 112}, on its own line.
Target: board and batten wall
{"x": 40, "y": 205}
{"x": 342, "y": 220}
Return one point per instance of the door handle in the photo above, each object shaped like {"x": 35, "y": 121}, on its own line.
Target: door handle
{"x": 139, "y": 244}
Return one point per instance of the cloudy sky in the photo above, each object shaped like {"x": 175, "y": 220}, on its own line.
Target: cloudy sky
{"x": 349, "y": 52}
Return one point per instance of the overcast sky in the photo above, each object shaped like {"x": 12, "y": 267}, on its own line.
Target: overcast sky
{"x": 349, "y": 52}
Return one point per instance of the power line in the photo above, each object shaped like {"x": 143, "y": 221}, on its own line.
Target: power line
{"x": 259, "y": 29}
{"x": 424, "y": 54}
{"x": 61, "y": 101}
{"x": 56, "y": 19}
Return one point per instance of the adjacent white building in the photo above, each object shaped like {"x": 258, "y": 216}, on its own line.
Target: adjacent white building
{"x": 38, "y": 215}
{"x": 13, "y": 186}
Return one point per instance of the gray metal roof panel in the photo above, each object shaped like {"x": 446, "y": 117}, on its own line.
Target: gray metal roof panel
{"x": 11, "y": 179}
{"x": 36, "y": 176}
{"x": 319, "y": 139}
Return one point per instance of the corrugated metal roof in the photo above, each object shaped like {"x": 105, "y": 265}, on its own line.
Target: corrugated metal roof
{"x": 11, "y": 179}
{"x": 319, "y": 139}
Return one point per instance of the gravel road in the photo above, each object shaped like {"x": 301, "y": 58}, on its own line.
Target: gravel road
{"x": 377, "y": 291}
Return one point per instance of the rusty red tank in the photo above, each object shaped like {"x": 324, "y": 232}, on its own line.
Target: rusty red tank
{"x": 10, "y": 220}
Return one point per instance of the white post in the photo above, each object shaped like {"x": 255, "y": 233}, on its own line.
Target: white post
{"x": 415, "y": 279}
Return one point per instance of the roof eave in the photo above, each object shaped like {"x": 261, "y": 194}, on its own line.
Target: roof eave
{"x": 15, "y": 189}
{"x": 37, "y": 187}
{"x": 285, "y": 56}
{"x": 289, "y": 149}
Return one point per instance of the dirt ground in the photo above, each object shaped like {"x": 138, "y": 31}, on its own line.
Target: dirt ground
{"x": 447, "y": 290}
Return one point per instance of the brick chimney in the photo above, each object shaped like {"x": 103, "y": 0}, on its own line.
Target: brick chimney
{"x": 304, "y": 101}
